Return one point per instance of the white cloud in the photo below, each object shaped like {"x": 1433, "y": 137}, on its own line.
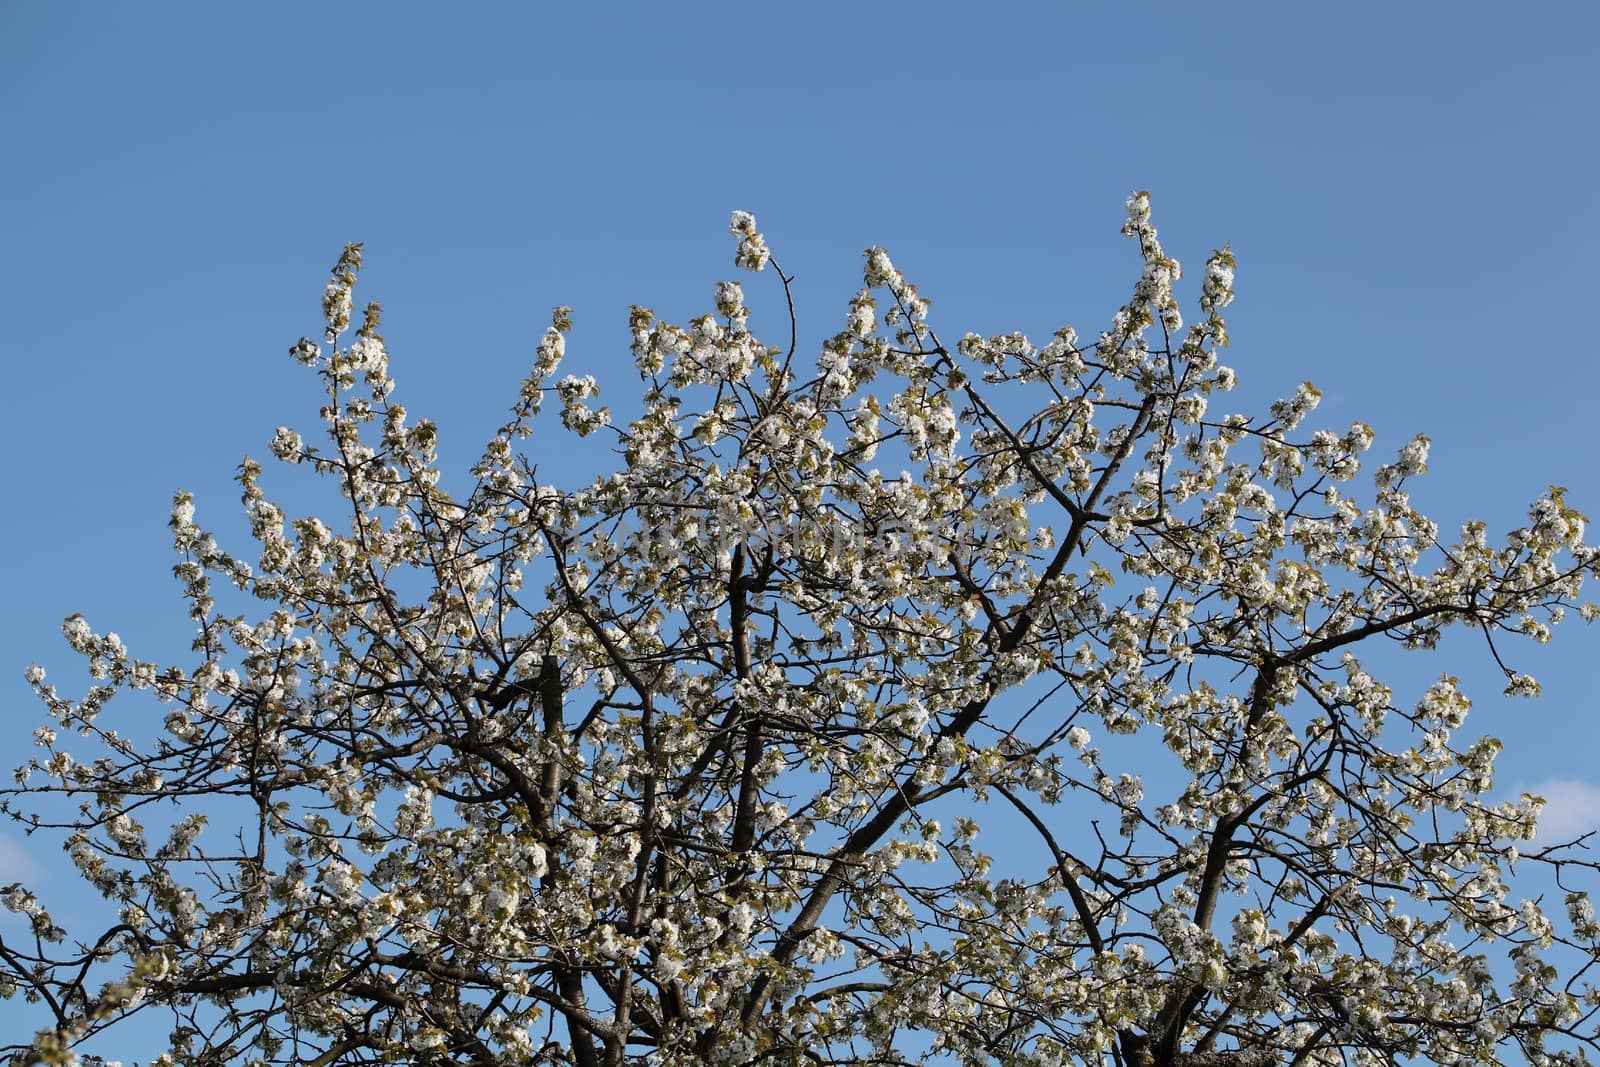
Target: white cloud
{"x": 16, "y": 862}
{"x": 17, "y": 865}
{"x": 1571, "y": 808}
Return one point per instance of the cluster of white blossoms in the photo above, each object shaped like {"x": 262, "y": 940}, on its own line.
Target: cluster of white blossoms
{"x": 687, "y": 765}
{"x": 576, "y": 415}
{"x": 752, "y": 254}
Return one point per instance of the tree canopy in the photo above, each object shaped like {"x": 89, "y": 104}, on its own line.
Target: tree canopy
{"x": 687, "y": 764}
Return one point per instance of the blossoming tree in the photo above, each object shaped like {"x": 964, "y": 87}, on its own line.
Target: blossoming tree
{"x": 687, "y": 764}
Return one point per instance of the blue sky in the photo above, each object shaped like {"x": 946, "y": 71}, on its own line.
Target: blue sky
{"x": 1410, "y": 190}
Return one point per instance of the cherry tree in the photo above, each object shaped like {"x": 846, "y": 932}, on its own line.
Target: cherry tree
{"x": 686, "y": 764}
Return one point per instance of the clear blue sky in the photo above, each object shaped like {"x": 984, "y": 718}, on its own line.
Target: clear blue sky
{"x": 1410, "y": 189}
